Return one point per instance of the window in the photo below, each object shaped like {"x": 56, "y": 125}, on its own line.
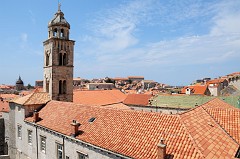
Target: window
{"x": 59, "y": 151}
{"x": 55, "y": 32}
{"x": 19, "y": 132}
{"x": 64, "y": 87}
{"x": 47, "y": 59}
{"x": 62, "y": 33}
{"x": 30, "y": 137}
{"x": 60, "y": 87}
{"x": 60, "y": 59}
{"x": 43, "y": 144}
{"x": 64, "y": 59}
{"x": 81, "y": 155}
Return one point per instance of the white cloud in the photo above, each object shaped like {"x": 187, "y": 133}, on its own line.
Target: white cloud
{"x": 116, "y": 43}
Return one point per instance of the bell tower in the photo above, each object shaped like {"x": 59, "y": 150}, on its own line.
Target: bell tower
{"x": 58, "y": 59}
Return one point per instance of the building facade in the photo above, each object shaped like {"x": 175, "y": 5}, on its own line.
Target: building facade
{"x": 58, "y": 59}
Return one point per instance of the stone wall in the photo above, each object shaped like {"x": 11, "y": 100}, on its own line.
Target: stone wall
{"x": 4, "y": 157}
{"x": 2, "y": 136}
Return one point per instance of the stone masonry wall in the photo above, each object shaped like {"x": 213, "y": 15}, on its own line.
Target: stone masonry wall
{"x": 2, "y": 136}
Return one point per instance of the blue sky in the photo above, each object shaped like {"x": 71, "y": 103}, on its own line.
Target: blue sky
{"x": 169, "y": 41}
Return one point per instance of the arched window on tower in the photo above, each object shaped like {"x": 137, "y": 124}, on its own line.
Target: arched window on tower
{"x": 47, "y": 59}
{"x": 62, "y": 33}
{"x": 55, "y": 32}
{"x": 60, "y": 59}
{"x": 64, "y": 87}
{"x": 64, "y": 59}
{"x": 60, "y": 87}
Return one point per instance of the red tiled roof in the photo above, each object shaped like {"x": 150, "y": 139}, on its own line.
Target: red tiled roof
{"x": 137, "y": 99}
{"x": 195, "y": 89}
{"x": 131, "y": 133}
{"x": 4, "y": 106}
{"x": 118, "y": 106}
{"x": 209, "y": 137}
{"x": 226, "y": 115}
{"x": 202, "y": 132}
{"x": 135, "y": 76}
{"x": 216, "y": 81}
{"x": 120, "y": 78}
{"x": 98, "y": 97}
{"x": 8, "y": 96}
{"x": 33, "y": 98}
{"x": 234, "y": 74}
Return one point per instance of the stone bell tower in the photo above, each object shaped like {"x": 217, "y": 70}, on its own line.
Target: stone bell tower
{"x": 58, "y": 59}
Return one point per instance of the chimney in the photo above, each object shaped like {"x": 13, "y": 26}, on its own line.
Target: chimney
{"x": 161, "y": 150}
{"x": 75, "y": 125}
{"x": 35, "y": 116}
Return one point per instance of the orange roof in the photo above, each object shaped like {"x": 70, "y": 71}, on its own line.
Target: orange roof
{"x": 98, "y": 97}
{"x": 216, "y": 81}
{"x": 195, "y": 89}
{"x": 120, "y": 78}
{"x": 209, "y": 135}
{"x": 135, "y": 76}
{"x": 131, "y": 133}
{"x": 4, "y": 106}
{"x": 226, "y": 116}
{"x": 197, "y": 133}
{"x": 8, "y": 96}
{"x": 234, "y": 74}
{"x": 34, "y": 98}
{"x": 118, "y": 106}
{"x": 137, "y": 99}
{"x": 5, "y": 87}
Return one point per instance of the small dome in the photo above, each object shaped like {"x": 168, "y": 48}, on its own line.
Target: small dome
{"x": 19, "y": 81}
{"x": 59, "y": 20}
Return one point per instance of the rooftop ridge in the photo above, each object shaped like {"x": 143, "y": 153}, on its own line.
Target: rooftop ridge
{"x": 190, "y": 136}
{"x": 111, "y": 104}
{"x": 219, "y": 124}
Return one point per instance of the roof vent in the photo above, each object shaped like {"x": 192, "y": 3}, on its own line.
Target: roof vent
{"x": 91, "y": 119}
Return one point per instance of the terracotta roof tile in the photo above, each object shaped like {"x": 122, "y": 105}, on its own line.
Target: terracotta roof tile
{"x": 216, "y": 81}
{"x": 137, "y": 99}
{"x": 131, "y": 133}
{"x": 33, "y": 98}
{"x": 98, "y": 97}
{"x": 4, "y": 106}
{"x": 197, "y": 133}
{"x": 210, "y": 137}
{"x": 226, "y": 115}
{"x": 196, "y": 89}
{"x": 118, "y": 106}
{"x": 8, "y": 96}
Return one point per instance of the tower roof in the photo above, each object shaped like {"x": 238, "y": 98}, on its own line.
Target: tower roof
{"x": 19, "y": 81}
{"x": 58, "y": 19}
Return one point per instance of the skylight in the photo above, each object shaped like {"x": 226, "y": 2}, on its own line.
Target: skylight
{"x": 91, "y": 119}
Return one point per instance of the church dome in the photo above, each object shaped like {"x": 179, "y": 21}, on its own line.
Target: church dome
{"x": 59, "y": 20}
{"x": 19, "y": 81}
